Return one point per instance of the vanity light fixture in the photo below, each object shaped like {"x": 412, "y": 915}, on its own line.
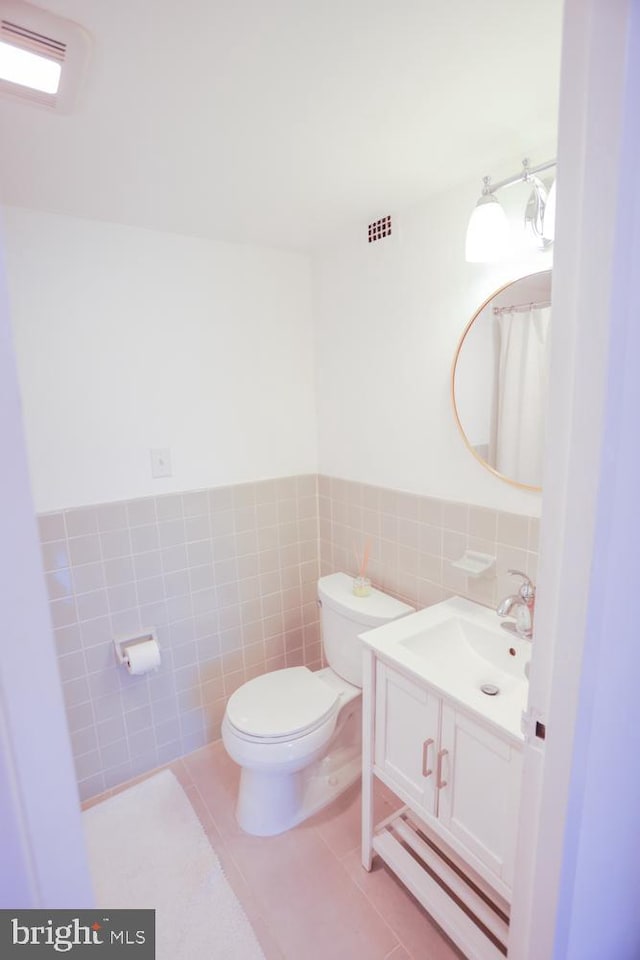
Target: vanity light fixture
{"x": 488, "y": 230}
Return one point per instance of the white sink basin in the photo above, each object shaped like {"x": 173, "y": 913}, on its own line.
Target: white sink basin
{"x": 459, "y": 648}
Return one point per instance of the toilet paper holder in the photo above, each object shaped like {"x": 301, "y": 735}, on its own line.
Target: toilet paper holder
{"x": 121, "y": 643}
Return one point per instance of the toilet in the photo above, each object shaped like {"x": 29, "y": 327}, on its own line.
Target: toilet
{"x": 297, "y": 734}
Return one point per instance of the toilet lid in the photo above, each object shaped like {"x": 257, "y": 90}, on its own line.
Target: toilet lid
{"x": 281, "y": 703}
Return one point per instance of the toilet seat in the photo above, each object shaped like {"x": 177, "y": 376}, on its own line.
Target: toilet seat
{"x": 281, "y": 705}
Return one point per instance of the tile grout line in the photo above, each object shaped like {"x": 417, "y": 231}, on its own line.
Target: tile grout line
{"x": 362, "y": 891}
{"x": 262, "y": 913}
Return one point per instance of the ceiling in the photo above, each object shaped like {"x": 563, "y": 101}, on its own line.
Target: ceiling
{"x": 282, "y": 121}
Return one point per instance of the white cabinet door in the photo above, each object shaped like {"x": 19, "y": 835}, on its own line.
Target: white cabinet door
{"x": 406, "y": 737}
{"x": 479, "y": 793}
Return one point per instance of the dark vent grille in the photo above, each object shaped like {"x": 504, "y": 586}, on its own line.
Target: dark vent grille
{"x": 30, "y": 40}
{"x": 379, "y": 229}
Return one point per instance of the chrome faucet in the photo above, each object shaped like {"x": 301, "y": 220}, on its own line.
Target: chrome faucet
{"x": 523, "y": 602}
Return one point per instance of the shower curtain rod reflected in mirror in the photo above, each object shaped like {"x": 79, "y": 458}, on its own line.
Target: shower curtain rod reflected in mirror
{"x": 522, "y": 307}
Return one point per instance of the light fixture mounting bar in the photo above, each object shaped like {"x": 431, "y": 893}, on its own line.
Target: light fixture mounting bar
{"x": 524, "y": 174}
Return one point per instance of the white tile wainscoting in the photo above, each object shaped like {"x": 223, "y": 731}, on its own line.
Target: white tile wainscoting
{"x": 228, "y": 576}
{"x": 413, "y": 540}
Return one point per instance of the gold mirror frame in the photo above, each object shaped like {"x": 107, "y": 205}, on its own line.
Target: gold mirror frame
{"x": 487, "y": 466}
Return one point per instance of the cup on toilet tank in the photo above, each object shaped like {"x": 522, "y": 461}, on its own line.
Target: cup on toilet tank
{"x": 361, "y": 586}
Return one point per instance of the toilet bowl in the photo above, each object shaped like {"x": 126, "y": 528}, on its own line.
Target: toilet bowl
{"x": 287, "y": 770}
{"x": 297, "y": 734}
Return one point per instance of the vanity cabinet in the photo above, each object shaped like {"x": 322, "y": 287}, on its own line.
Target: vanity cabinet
{"x": 460, "y": 780}
{"x": 407, "y": 732}
{"x": 463, "y": 778}
{"x": 479, "y": 796}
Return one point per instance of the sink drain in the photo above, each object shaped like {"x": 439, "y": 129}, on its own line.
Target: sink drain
{"x": 490, "y": 689}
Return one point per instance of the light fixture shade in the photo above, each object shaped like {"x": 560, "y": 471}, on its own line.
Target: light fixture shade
{"x": 488, "y": 231}
{"x": 28, "y": 69}
{"x": 549, "y": 222}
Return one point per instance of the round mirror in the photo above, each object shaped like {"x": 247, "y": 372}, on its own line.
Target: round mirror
{"x": 499, "y": 380}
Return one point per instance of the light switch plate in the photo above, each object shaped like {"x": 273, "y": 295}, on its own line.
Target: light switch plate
{"x": 161, "y": 463}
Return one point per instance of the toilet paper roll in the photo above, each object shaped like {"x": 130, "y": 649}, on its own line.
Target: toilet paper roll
{"x": 142, "y": 657}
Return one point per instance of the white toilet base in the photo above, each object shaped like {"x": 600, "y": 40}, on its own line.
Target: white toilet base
{"x": 270, "y": 803}
{"x": 267, "y": 802}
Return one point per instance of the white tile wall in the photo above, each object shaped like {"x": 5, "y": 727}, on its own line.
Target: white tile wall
{"x": 228, "y": 576}
{"x": 413, "y": 540}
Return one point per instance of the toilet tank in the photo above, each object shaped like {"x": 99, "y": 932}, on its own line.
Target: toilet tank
{"x": 343, "y": 616}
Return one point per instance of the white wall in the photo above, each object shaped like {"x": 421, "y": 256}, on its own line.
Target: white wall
{"x": 129, "y": 339}
{"x": 388, "y": 319}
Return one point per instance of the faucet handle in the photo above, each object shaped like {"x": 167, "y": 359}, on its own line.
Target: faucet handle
{"x": 527, "y": 588}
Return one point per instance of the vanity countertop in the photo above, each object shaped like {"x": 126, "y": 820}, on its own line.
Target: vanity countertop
{"x": 458, "y": 647}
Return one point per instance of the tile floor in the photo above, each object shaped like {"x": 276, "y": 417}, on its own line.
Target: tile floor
{"x": 305, "y": 893}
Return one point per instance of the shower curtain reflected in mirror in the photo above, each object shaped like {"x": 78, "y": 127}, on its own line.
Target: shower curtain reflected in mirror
{"x": 517, "y": 434}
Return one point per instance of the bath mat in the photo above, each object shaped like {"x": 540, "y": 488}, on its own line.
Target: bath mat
{"x": 147, "y": 848}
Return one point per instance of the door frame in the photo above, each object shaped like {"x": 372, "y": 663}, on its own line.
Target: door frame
{"x": 589, "y": 517}
{"x": 44, "y": 861}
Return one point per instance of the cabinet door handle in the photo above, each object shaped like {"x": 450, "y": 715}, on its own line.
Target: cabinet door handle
{"x": 425, "y": 754}
{"x": 441, "y": 755}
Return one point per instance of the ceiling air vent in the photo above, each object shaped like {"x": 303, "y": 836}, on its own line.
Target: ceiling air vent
{"x": 42, "y": 56}
{"x": 379, "y": 229}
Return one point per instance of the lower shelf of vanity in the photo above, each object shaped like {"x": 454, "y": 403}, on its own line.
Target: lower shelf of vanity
{"x": 472, "y": 915}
